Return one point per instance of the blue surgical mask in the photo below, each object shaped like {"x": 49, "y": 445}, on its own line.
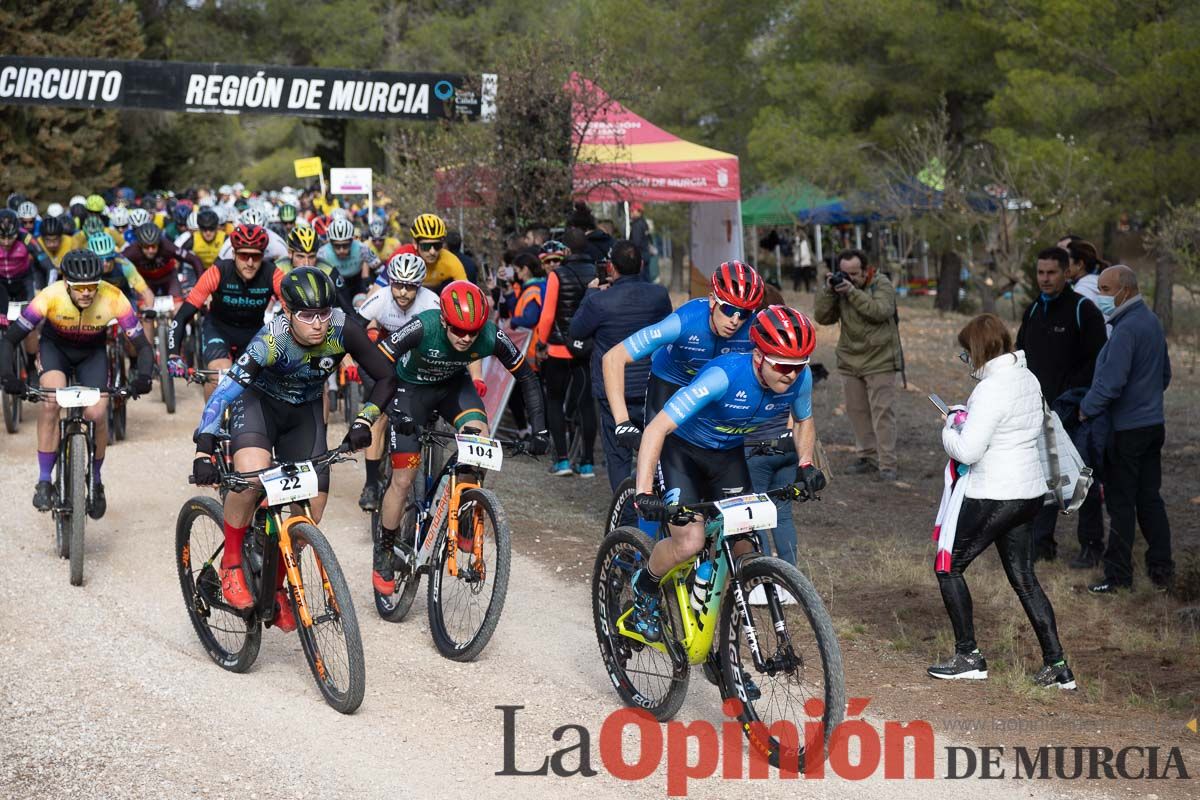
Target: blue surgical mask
{"x": 1107, "y": 304}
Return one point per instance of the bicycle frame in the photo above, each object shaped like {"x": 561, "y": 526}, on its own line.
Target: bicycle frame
{"x": 446, "y": 507}
{"x": 74, "y": 422}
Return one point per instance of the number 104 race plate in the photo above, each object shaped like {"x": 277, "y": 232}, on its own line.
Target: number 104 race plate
{"x": 479, "y": 451}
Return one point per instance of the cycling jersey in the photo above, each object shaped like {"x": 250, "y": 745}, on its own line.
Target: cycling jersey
{"x": 284, "y": 265}
{"x": 166, "y": 262}
{"x": 447, "y": 267}
{"x": 726, "y": 402}
{"x": 207, "y": 252}
{"x": 389, "y": 245}
{"x": 422, "y": 352}
{"x": 66, "y": 244}
{"x": 232, "y": 300}
{"x": 684, "y": 342}
{"x": 71, "y": 325}
{"x": 351, "y": 265}
{"x": 382, "y": 309}
{"x": 120, "y": 272}
{"x": 16, "y": 260}
{"x": 275, "y": 365}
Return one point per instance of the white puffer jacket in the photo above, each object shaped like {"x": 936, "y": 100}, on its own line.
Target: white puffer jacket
{"x": 1000, "y": 436}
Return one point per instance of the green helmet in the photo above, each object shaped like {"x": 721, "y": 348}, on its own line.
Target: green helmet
{"x": 307, "y": 288}
{"x": 101, "y": 244}
{"x": 287, "y": 213}
{"x": 95, "y": 204}
{"x": 93, "y": 225}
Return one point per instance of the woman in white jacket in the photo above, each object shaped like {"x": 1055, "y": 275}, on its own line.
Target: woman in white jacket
{"x": 1004, "y": 490}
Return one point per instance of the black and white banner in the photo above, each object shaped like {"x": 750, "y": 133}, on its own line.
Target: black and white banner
{"x": 243, "y": 89}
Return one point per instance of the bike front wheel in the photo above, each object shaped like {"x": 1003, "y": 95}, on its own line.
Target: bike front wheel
{"x": 78, "y": 493}
{"x": 230, "y": 638}
{"x": 800, "y": 655}
{"x": 166, "y": 383}
{"x": 644, "y": 676}
{"x": 332, "y": 642}
{"x": 465, "y": 609}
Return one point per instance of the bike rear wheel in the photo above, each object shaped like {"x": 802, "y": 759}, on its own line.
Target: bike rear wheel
{"x": 12, "y": 412}
{"x": 332, "y": 643}
{"x": 77, "y": 456}
{"x": 801, "y": 651}
{"x": 643, "y": 676}
{"x": 394, "y": 607}
{"x": 464, "y": 610}
{"x": 621, "y": 506}
{"x": 166, "y": 384}
{"x": 230, "y": 638}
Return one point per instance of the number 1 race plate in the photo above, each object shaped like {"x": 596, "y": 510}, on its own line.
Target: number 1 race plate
{"x": 77, "y": 397}
{"x": 751, "y": 512}
{"x": 284, "y": 488}
{"x": 479, "y": 451}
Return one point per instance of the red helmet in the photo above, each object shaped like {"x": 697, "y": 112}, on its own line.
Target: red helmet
{"x": 737, "y": 284}
{"x": 783, "y": 333}
{"x": 249, "y": 237}
{"x": 464, "y": 306}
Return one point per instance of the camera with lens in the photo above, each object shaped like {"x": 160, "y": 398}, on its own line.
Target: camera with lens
{"x": 837, "y": 278}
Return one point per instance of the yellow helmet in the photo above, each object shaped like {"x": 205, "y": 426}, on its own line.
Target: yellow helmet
{"x": 302, "y": 239}
{"x": 428, "y": 226}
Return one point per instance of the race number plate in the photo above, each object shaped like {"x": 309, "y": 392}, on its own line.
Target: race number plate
{"x": 164, "y": 304}
{"x": 283, "y": 488}
{"x": 14, "y": 311}
{"x": 479, "y": 451}
{"x": 77, "y": 397}
{"x": 751, "y": 512}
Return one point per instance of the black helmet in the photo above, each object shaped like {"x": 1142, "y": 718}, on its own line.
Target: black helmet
{"x": 82, "y": 266}
{"x": 207, "y": 220}
{"x": 307, "y": 288}
{"x": 52, "y": 226}
{"x": 9, "y": 224}
{"x": 148, "y": 234}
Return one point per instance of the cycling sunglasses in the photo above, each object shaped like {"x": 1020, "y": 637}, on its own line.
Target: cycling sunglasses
{"x": 406, "y": 286}
{"x": 730, "y": 310}
{"x": 432, "y": 246}
{"x": 552, "y": 259}
{"x": 84, "y": 287}
{"x": 461, "y": 333}
{"x": 315, "y": 317}
{"x": 786, "y": 367}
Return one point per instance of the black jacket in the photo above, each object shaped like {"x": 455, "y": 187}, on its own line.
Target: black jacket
{"x": 1061, "y": 338}
{"x": 573, "y": 276}
{"x": 613, "y": 314}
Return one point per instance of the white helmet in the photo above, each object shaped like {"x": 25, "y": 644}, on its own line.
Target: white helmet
{"x": 238, "y": 186}
{"x": 377, "y": 228}
{"x": 272, "y": 214}
{"x": 341, "y": 230}
{"x": 119, "y": 217}
{"x": 54, "y": 210}
{"x": 192, "y": 223}
{"x": 406, "y": 268}
{"x": 225, "y": 188}
{"x": 77, "y": 200}
{"x": 138, "y": 217}
{"x": 27, "y": 210}
{"x": 339, "y": 213}
{"x": 252, "y": 216}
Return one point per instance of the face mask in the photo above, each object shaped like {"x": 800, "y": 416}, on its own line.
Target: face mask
{"x": 1106, "y": 304}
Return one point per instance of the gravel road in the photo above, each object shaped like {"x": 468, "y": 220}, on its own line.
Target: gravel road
{"x": 105, "y": 691}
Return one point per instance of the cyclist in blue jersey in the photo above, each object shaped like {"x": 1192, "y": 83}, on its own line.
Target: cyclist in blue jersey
{"x": 682, "y": 344}
{"x": 274, "y": 395}
{"x": 697, "y": 440}
{"x": 354, "y": 261}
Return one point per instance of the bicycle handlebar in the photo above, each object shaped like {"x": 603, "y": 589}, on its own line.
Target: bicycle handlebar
{"x": 240, "y": 481}
{"x": 793, "y": 491}
{"x": 511, "y": 447}
{"x": 35, "y": 394}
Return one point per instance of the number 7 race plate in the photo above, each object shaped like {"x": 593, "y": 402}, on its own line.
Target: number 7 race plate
{"x": 288, "y": 488}
{"x": 751, "y": 512}
{"x": 479, "y": 451}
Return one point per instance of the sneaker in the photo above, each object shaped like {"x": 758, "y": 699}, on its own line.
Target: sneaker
{"x": 369, "y": 499}
{"x": 585, "y": 471}
{"x": 285, "y": 620}
{"x": 861, "y": 467}
{"x": 645, "y": 619}
{"x": 234, "y": 589}
{"x": 758, "y": 596}
{"x": 1089, "y": 558}
{"x": 383, "y": 576}
{"x": 1055, "y": 675}
{"x": 889, "y": 475}
{"x": 97, "y": 505}
{"x": 44, "y": 496}
{"x": 970, "y": 667}
{"x": 1107, "y": 586}
{"x": 561, "y": 468}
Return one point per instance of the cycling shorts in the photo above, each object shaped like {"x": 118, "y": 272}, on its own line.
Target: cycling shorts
{"x": 20, "y": 290}
{"x": 658, "y": 392}
{"x": 291, "y": 433}
{"x": 83, "y": 366}
{"x": 455, "y": 400}
{"x": 697, "y": 475}
{"x": 218, "y": 340}
{"x": 169, "y": 285}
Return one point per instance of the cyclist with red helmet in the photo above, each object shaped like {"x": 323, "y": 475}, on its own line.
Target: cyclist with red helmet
{"x": 431, "y": 353}
{"x": 683, "y": 343}
{"x": 238, "y": 291}
{"x": 697, "y": 440}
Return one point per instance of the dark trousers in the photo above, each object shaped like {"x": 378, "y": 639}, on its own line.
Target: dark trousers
{"x": 563, "y": 376}
{"x": 1132, "y": 480}
{"x": 1090, "y": 530}
{"x": 618, "y": 459}
{"x": 1008, "y": 523}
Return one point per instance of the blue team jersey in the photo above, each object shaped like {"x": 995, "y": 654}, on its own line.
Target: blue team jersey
{"x": 726, "y": 402}
{"x": 683, "y": 343}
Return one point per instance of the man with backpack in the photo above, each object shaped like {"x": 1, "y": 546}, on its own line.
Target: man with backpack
{"x": 1061, "y": 333}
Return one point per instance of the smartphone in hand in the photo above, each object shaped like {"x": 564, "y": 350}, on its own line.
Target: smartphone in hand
{"x": 939, "y": 405}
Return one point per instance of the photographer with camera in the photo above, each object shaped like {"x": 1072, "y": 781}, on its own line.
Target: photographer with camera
{"x": 868, "y": 355}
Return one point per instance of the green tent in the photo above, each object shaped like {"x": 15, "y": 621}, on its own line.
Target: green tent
{"x": 784, "y": 205}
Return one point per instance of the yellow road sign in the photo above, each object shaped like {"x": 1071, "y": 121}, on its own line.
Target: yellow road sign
{"x": 308, "y": 167}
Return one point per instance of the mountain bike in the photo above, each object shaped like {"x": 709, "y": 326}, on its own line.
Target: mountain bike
{"x": 164, "y": 310}
{"x": 772, "y": 657}
{"x": 73, "y": 475}
{"x": 314, "y": 582}
{"x": 468, "y": 571}
{"x": 12, "y": 402}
